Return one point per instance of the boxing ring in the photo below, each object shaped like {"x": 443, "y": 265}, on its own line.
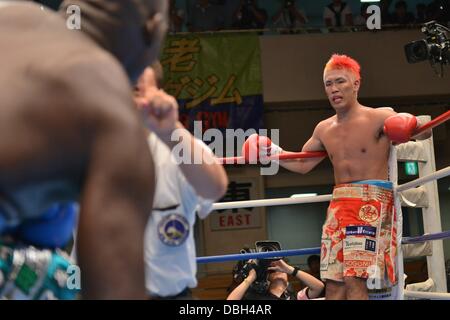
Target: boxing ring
{"x": 419, "y": 193}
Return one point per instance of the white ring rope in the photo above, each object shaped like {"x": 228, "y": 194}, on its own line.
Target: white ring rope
{"x": 322, "y": 198}
{"x": 270, "y": 202}
{"x": 427, "y": 295}
{"x": 434, "y": 176}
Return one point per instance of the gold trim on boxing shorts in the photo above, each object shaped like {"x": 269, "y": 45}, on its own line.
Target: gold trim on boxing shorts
{"x": 363, "y": 192}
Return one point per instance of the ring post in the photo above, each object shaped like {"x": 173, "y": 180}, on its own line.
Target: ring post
{"x": 431, "y": 216}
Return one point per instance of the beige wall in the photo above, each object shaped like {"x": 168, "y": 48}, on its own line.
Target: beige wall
{"x": 292, "y": 65}
{"x": 222, "y": 242}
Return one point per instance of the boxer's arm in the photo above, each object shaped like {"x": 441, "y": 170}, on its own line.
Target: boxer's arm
{"x": 305, "y": 165}
{"x": 118, "y": 180}
{"x": 116, "y": 200}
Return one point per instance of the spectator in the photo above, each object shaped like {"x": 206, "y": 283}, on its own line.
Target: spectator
{"x": 205, "y": 16}
{"x": 421, "y": 13}
{"x": 289, "y": 16}
{"x": 176, "y": 16}
{"x": 278, "y": 285}
{"x": 384, "y": 6}
{"x": 249, "y": 16}
{"x": 338, "y": 14}
{"x": 401, "y": 14}
{"x": 361, "y": 19}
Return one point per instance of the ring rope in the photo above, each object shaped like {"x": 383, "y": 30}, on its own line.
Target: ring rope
{"x": 433, "y": 123}
{"x": 282, "y": 156}
{"x": 420, "y": 181}
{"x": 257, "y": 255}
{"x": 307, "y": 251}
{"x": 322, "y": 198}
{"x": 318, "y": 154}
{"x": 269, "y": 202}
{"x": 426, "y": 237}
{"x": 427, "y": 295}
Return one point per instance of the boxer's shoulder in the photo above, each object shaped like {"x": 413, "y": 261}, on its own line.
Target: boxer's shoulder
{"x": 82, "y": 70}
{"x": 92, "y": 81}
{"x": 381, "y": 112}
{"x": 325, "y": 124}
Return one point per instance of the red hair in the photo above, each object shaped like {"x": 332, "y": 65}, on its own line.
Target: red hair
{"x": 341, "y": 61}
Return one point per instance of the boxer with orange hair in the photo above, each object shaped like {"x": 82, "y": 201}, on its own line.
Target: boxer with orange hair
{"x": 359, "y": 231}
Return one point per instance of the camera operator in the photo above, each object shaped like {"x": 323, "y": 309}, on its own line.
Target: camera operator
{"x": 249, "y": 16}
{"x": 278, "y": 288}
{"x": 289, "y": 16}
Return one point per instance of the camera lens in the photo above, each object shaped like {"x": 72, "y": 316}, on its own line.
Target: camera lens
{"x": 417, "y": 51}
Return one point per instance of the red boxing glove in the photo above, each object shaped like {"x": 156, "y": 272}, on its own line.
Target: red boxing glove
{"x": 400, "y": 127}
{"x": 256, "y": 147}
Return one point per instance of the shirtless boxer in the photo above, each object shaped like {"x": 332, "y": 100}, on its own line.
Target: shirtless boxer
{"x": 71, "y": 132}
{"x": 357, "y": 139}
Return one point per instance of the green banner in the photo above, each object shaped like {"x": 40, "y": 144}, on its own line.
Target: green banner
{"x": 219, "y": 68}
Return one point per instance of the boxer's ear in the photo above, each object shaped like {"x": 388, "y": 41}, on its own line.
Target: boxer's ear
{"x": 356, "y": 85}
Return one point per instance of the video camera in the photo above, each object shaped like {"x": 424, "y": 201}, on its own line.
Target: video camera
{"x": 435, "y": 47}
{"x": 243, "y": 267}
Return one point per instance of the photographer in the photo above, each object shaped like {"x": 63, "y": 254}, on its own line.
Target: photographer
{"x": 338, "y": 14}
{"x": 205, "y": 16}
{"x": 249, "y": 16}
{"x": 278, "y": 288}
{"x": 176, "y": 16}
{"x": 289, "y": 16}
{"x": 401, "y": 15}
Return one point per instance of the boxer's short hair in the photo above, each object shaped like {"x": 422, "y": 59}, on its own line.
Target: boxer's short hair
{"x": 341, "y": 61}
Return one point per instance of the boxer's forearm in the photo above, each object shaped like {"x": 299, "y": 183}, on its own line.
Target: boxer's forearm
{"x": 301, "y": 166}
{"x": 114, "y": 209}
{"x": 305, "y": 165}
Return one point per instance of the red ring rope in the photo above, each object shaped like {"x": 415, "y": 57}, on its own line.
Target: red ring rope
{"x": 317, "y": 154}
{"x": 282, "y": 156}
{"x": 433, "y": 123}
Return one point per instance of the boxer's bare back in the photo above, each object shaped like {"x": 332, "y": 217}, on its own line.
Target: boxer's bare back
{"x": 67, "y": 115}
